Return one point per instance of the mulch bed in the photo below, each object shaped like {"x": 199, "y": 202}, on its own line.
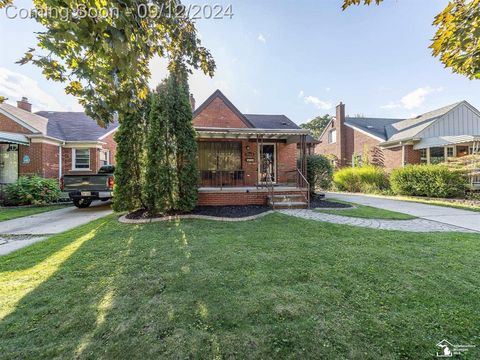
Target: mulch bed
{"x": 217, "y": 211}
{"x": 318, "y": 201}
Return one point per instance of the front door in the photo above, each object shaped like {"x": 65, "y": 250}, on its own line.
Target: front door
{"x": 267, "y": 162}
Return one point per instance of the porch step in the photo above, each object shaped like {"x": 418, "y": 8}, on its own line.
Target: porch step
{"x": 286, "y": 197}
{"x": 290, "y": 204}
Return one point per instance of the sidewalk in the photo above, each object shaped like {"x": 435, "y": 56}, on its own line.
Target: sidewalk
{"x": 450, "y": 216}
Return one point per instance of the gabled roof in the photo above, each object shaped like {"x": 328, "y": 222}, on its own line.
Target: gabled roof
{"x": 409, "y": 128}
{"x": 30, "y": 121}
{"x": 371, "y": 126}
{"x": 218, "y": 94}
{"x": 74, "y": 126}
{"x": 271, "y": 121}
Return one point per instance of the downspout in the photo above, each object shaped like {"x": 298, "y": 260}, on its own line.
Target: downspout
{"x": 403, "y": 155}
{"x": 60, "y": 160}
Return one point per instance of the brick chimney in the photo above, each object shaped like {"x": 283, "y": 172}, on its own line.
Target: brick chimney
{"x": 341, "y": 134}
{"x": 24, "y": 104}
{"x": 192, "y": 102}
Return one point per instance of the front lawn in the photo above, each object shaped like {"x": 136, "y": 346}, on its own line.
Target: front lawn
{"x": 276, "y": 287}
{"x": 8, "y": 213}
{"x": 367, "y": 212}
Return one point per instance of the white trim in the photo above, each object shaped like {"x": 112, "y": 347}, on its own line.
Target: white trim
{"x": 364, "y": 132}
{"x": 84, "y": 144}
{"x": 74, "y": 163}
{"x": 45, "y": 141}
{"x": 108, "y": 133}
{"x": 274, "y": 161}
{"x": 326, "y": 128}
{"x": 19, "y": 121}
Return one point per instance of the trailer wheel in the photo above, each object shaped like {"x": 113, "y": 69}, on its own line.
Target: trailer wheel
{"x": 82, "y": 203}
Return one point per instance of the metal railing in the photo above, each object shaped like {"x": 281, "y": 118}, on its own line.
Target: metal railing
{"x": 270, "y": 187}
{"x": 222, "y": 178}
{"x": 302, "y": 183}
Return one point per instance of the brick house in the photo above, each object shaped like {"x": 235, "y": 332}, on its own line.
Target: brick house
{"x": 249, "y": 158}
{"x": 450, "y": 131}
{"x": 242, "y": 158}
{"x": 51, "y": 144}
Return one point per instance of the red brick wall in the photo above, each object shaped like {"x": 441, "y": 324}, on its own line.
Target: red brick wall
{"x": 8, "y": 125}
{"x": 218, "y": 115}
{"x": 112, "y": 146}
{"x": 43, "y": 160}
{"x": 68, "y": 165}
{"x": 236, "y": 198}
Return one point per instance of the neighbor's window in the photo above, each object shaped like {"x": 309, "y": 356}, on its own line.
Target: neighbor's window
{"x": 104, "y": 157}
{"x": 81, "y": 159}
{"x": 220, "y": 155}
{"x": 332, "y": 136}
{"x": 437, "y": 155}
{"x": 450, "y": 151}
{"x": 423, "y": 156}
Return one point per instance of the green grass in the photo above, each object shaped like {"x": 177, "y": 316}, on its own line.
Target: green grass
{"x": 367, "y": 212}
{"x": 8, "y": 213}
{"x": 277, "y": 287}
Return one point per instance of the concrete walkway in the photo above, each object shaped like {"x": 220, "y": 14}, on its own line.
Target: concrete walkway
{"x": 18, "y": 233}
{"x": 445, "y": 215}
{"x": 414, "y": 225}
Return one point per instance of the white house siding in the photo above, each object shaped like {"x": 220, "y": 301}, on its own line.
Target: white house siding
{"x": 461, "y": 120}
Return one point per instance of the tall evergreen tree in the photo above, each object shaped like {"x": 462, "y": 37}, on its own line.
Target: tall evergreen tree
{"x": 130, "y": 160}
{"x": 158, "y": 186}
{"x": 186, "y": 145}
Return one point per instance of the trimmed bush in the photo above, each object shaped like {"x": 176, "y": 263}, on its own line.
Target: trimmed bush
{"x": 319, "y": 172}
{"x": 32, "y": 190}
{"x": 428, "y": 180}
{"x": 365, "y": 179}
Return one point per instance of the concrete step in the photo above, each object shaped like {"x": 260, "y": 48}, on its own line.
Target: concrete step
{"x": 289, "y": 204}
{"x": 288, "y": 197}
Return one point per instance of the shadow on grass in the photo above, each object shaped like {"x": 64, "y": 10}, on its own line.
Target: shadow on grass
{"x": 259, "y": 289}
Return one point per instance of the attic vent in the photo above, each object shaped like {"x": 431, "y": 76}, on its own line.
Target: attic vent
{"x": 284, "y": 123}
{"x": 369, "y": 127}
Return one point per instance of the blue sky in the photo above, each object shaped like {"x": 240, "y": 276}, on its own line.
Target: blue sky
{"x": 298, "y": 58}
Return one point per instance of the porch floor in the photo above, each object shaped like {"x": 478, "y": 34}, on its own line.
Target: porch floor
{"x": 237, "y": 189}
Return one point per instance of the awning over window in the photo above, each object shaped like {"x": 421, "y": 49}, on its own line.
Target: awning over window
{"x": 445, "y": 141}
{"x": 13, "y": 138}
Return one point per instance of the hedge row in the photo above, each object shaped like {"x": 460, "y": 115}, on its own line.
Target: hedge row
{"x": 411, "y": 180}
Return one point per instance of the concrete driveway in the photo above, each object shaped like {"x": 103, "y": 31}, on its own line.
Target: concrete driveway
{"x": 446, "y": 215}
{"x": 21, "y": 232}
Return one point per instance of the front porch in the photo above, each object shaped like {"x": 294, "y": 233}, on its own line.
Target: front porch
{"x": 252, "y": 166}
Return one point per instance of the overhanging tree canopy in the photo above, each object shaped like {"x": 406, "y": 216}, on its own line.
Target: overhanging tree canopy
{"x": 457, "y": 40}
{"x": 104, "y": 60}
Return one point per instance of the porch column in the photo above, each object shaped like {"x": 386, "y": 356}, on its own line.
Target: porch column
{"x": 428, "y": 156}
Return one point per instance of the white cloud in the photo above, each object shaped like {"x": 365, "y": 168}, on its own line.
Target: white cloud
{"x": 319, "y": 104}
{"x": 14, "y": 86}
{"x": 300, "y": 94}
{"x": 413, "y": 99}
{"x": 261, "y": 38}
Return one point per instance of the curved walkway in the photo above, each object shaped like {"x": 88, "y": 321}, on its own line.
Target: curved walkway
{"x": 414, "y": 225}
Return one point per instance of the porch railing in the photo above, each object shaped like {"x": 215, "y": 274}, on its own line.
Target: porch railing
{"x": 222, "y": 178}
{"x": 304, "y": 185}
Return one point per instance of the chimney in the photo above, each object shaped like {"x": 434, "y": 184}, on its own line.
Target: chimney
{"x": 24, "y": 104}
{"x": 341, "y": 134}
{"x": 341, "y": 113}
{"x": 192, "y": 102}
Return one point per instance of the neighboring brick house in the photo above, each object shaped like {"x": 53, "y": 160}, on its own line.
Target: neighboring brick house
{"x": 240, "y": 153}
{"x": 51, "y": 144}
{"x": 432, "y": 137}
